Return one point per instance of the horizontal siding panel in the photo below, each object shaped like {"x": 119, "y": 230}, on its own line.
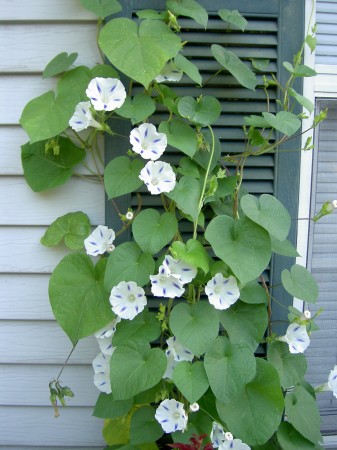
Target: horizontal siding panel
{"x": 21, "y": 251}
{"x": 25, "y": 384}
{"x": 11, "y": 139}
{"x": 326, "y": 6}
{"x": 42, "y": 343}
{"x": 29, "y": 48}
{"x": 78, "y": 194}
{"x": 38, "y": 427}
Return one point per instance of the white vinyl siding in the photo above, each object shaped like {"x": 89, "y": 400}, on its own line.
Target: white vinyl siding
{"x": 326, "y": 19}
{"x": 33, "y": 346}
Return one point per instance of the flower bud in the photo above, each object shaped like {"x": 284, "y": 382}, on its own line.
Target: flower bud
{"x": 228, "y": 436}
{"x": 306, "y": 315}
{"x": 194, "y": 407}
{"x": 129, "y": 215}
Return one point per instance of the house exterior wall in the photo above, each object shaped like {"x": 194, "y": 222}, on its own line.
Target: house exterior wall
{"x": 33, "y": 347}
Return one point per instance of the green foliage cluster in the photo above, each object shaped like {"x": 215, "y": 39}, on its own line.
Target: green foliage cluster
{"x": 229, "y": 232}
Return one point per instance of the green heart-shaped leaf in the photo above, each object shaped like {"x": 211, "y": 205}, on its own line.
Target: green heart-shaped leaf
{"x": 128, "y": 263}
{"x": 72, "y": 227}
{"x": 144, "y": 426}
{"x": 188, "y": 324}
{"x": 144, "y": 327}
{"x": 152, "y": 231}
{"x": 180, "y": 135}
{"x": 269, "y": 213}
{"x": 108, "y": 408}
{"x": 284, "y": 121}
{"x": 203, "y": 111}
{"x": 59, "y": 64}
{"x": 189, "y": 8}
{"x": 134, "y": 368}
{"x": 189, "y": 68}
{"x": 291, "y": 439}
{"x": 121, "y": 176}
{"x": 253, "y": 293}
{"x": 186, "y": 194}
{"x": 233, "y": 17}
{"x": 193, "y": 252}
{"x": 77, "y": 296}
{"x": 140, "y": 53}
{"x": 45, "y": 169}
{"x": 137, "y": 109}
{"x": 191, "y": 380}
{"x": 102, "y": 8}
{"x": 300, "y": 283}
{"x": 229, "y": 368}
{"x": 242, "y": 244}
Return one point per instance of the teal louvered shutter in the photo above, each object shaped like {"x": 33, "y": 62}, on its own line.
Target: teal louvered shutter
{"x": 271, "y": 34}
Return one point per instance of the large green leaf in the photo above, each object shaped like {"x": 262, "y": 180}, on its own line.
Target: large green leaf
{"x": 144, "y": 327}
{"x": 300, "y": 283}
{"x": 269, "y": 213}
{"x": 290, "y": 367}
{"x": 229, "y": 368}
{"x": 144, "y": 426}
{"x": 188, "y": 324}
{"x": 189, "y": 8}
{"x": 152, "y": 231}
{"x": 186, "y": 194}
{"x": 284, "y": 121}
{"x": 203, "y": 111}
{"x": 253, "y": 293}
{"x": 134, "y": 368}
{"x": 72, "y": 227}
{"x": 302, "y": 412}
{"x": 138, "y": 108}
{"x": 255, "y": 413}
{"x": 139, "y": 52}
{"x": 128, "y": 263}
{"x": 242, "y": 244}
{"x": 245, "y": 323}
{"x": 290, "y": 439}
{"x": 189, "y": 68}
{"x": 191, "y": 380}
{"x": 235, "y": 66}
{"x": 102, "y": 8}
{"x": 193, "y": 252}
{"x": 77, "y": 296}
{"x": 285, "y": 248}
{"x": 45, "y": 170}
{"x": 233, "y": 18}
{"x": 180, "y": 135}
{"x": 121, "y": 176}
{"x": 108, "y": 408}
{"x": 59, "y": 64}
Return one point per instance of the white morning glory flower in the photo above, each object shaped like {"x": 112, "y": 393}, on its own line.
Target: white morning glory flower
{"x": 108, "y": 330}
{"x": 165, "y": 284}
{"x": 217, "y": 435}
{"x": 158, "y": 177}
{"x": 101, "y": 366}
{"x": 82, "y": 117}
{"x": 106, "y": 94}
{"x": 170, "y": 72}
{"x": 171, "y": 416}
{"x": 222, "y": 292}
{"x": 233, "y": 444}
{"x": 296, "y": 337}
{"x": 180, "y": 353}
{"x": 183, "y": 270}
{"x": 127, "y": 299}
{"x": 332, "y": 381}
{"x": 171, "y": 363}
{"x": 105, "y": 345}
{"x": 147, "y": 142}
{"x": 100, "y": 241}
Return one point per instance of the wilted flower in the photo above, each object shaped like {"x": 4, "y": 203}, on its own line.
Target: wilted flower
{"x": 296, "y": 337}
{"x": 217, "y": 435}
{"x": 182, "y": 270}
{"x": 170, "y": 72}
{"x": 106, "y": 94}
{"x": 158, "y": 177}
{"x": 180, "y": 353}
{"x": 171, "y": 363}
{"x": 82, "y": 117}
{"x": 147, "y": 142}
{"x": 108, "y": 330}
{"x": 222, "y": 292}
{"x": 127, "y": 299}
{"x": 101, "y": 366}
{"x": 100, "y": 241}
{"x": 171, "y": 416}
{"x": 165, "y": 284}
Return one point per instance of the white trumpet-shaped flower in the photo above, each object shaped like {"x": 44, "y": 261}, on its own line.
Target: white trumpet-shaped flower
{"x": 147, "y": 142}
{"x": 332, "y": 381}
{"x": 127, "y": 299}
{"x": 170, "y": 72}
{"x": 217, "y": 435}
{"x": 105, "y": 345}
{"x": 171, "y": 363}
{"x": 296, "y": 337}
{"x": 106, "y": 94}
{"x": 233, "y": 444}
{"x": 180, "y": 353}
{"x": 83, "y": 118}
{"x": 171, "y": 416}
{"x": 222, "y": 292}
{"x": 165, "y": 284}
{"x": 184, "y": 271}
{"x": 101, "y": 366}
{"x": 100, "y": 241}
{"x": 158, "y": 177}
{"x": 108, "y": 330}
